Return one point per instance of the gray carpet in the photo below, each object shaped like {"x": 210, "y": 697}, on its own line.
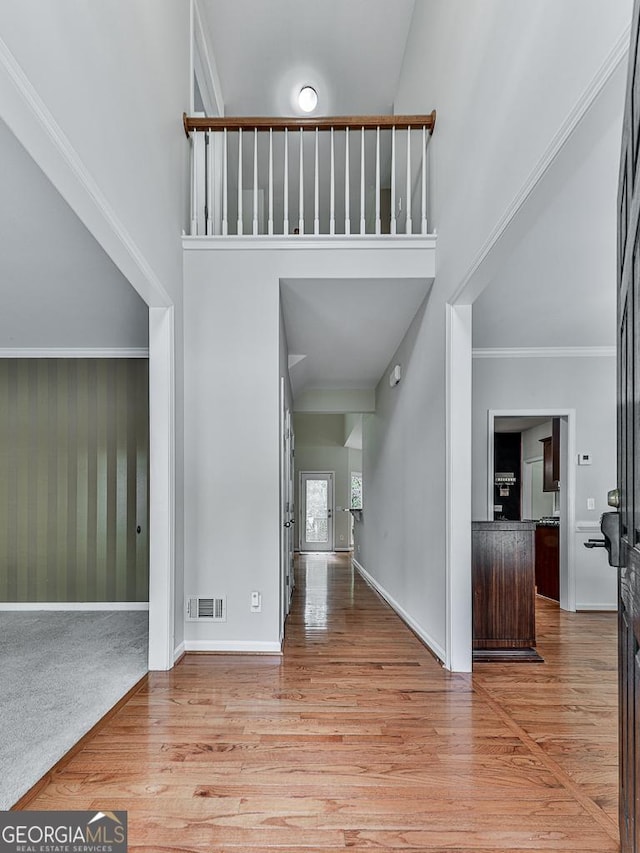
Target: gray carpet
{"x": 59, "y": 673}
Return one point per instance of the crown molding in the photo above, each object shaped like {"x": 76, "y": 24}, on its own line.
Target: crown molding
{"x": 75, "y": 352}
{"x": 545, "y": 352}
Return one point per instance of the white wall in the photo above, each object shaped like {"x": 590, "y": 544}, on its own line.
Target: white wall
{"x": 506, "y": 78}
{"x": 232, "y": 370}
{"x": 114, "y": 79}
{"x": 401, "y": 536}
{"x": 320, "y": 447}
{"x": 232, "y": 440}
{"x": 587, "y": 385}
{"x": 95, "y": 94}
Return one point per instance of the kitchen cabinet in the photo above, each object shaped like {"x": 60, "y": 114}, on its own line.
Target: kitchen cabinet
{"x": 551, "y": 459}
{"x": 548, "y": 561}
{"x": 503, "y": 580}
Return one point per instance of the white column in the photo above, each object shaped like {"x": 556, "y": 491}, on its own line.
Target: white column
{"x": 332, "y": 200}
{"x": 209, "y": 229}
{"x": 240, "y": 181}
{"x": 409, "y": 224}
{"x": 225, "y": 200}
{"x": 458, "y": 492}
{"x": 316, "y": 194}
{"x": 363, "y": 224}
{"x": 286, "y": 182}
{"x": 255, "y": 182}
{"x": 270, "y": 225}
{"x": 301, "y": 187}
{"x": 393, "y": 226}
{"x": 378, "y": 227}
{"x": 423, "y": 227}
{"x": 347, "y": 213}
{"x": 162, "y": 488}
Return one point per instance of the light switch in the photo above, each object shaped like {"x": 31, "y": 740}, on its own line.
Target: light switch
{"x": 256, "y": 602}
{"x": 591, "y": 503}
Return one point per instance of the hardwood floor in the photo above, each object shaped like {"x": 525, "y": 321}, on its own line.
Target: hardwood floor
{"x": 357, "y": 738}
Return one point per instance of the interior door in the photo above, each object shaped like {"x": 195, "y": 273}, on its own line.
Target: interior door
{"x": 628, "y": 458}
{"x": 316, "y": 497}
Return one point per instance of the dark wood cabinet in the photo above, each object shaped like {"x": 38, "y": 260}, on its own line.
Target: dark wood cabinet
{"x": 503, "y": 578}
{"x": 548, "y": 561}
{"x": 551, "y": 457}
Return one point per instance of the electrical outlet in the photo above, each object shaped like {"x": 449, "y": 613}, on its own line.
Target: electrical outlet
{"x": 256, "y": 602}
{"x": 342, "y": 537}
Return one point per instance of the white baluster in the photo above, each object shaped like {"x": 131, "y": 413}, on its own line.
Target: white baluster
{"x": 378, "y": 228}
{"x": 194, "y": 186}
{"x": 332, "y": 200}
{"x": 347, "y": 213}
{"x": 270, "y": 226}
{"x": 209, "y": 229}
{"x": 392, "y": 228}
{"x": 424, "y": 180}
{"x": 239, "y": 181}
{"x": 363, "y": 224}
{"x": 409, "y": 224}
{"x": 301, "y": 193}
{"x": 255, "y": 181}
{"x": 285, "y": 225}
{"x": 316, "y": 196}
{"x": 225, "y": 158}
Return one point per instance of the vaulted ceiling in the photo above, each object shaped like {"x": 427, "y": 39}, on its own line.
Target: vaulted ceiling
{"x": 350, "y": 51}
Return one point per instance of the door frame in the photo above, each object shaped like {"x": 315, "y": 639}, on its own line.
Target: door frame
{"x": 301, "y": 509}
{"x": 567, "y": 494}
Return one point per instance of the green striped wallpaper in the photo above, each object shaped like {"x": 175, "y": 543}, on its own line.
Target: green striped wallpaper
{"x": 74, "y": 480}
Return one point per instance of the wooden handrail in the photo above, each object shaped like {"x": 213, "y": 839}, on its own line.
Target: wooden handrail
{"x": 324, "y": 123}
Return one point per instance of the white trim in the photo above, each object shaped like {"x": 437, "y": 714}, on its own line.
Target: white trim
{"x": 49, "y": 146}
{"x": 545, "y": 352}
{"x": 587, "y": 525}
{"x": 246, "y": 646}
{"x": 609, "y": 608}
{"x": 567, "y": 495}
{"x": 310, "y": 241}
{"x": 428, "y": 640}
{"x": 178, "y": 652}
{"x": 573, "y": 119}
{"x": 76, "y": 352}
{"x": 301, "y": 511}
{"x": 73, "y": 605}
{"x": 342, "y": 549}
{"x": 162, "y": 488}
{"x": 458, "y": 488}
{"x": 204, "y": 64}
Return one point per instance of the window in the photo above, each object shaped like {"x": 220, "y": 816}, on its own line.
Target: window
{"x": 356, "y": 490}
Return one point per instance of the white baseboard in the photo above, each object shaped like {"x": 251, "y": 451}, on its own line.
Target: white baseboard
{"x": 244, "y": 646}
{"x": 74, "y": 605}
{"x": 609, "y": 608}
{"x": 435, "y": 647}
{"x": 344, "y": 549}
{"x": 178, "y": 652}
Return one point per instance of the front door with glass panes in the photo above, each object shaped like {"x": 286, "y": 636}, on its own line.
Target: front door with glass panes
{"x": 316, "y": 501}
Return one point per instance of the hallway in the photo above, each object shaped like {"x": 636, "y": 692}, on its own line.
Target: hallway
{"x": 357, "y": 738}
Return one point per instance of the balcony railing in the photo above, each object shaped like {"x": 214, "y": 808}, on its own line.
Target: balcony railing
{"x": 271, "y": 176}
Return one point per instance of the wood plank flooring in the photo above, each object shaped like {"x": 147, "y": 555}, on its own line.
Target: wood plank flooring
{"x": 357, "y": 738}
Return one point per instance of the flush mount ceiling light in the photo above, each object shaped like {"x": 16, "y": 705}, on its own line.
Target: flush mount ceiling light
{"x": 307, "y": 99}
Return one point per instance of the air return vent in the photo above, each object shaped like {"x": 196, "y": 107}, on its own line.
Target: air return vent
{"x": 201, "y": 609}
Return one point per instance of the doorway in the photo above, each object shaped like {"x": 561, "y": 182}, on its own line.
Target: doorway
{"x": 316, "y": 529}
{"x": 564, "y": 502}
